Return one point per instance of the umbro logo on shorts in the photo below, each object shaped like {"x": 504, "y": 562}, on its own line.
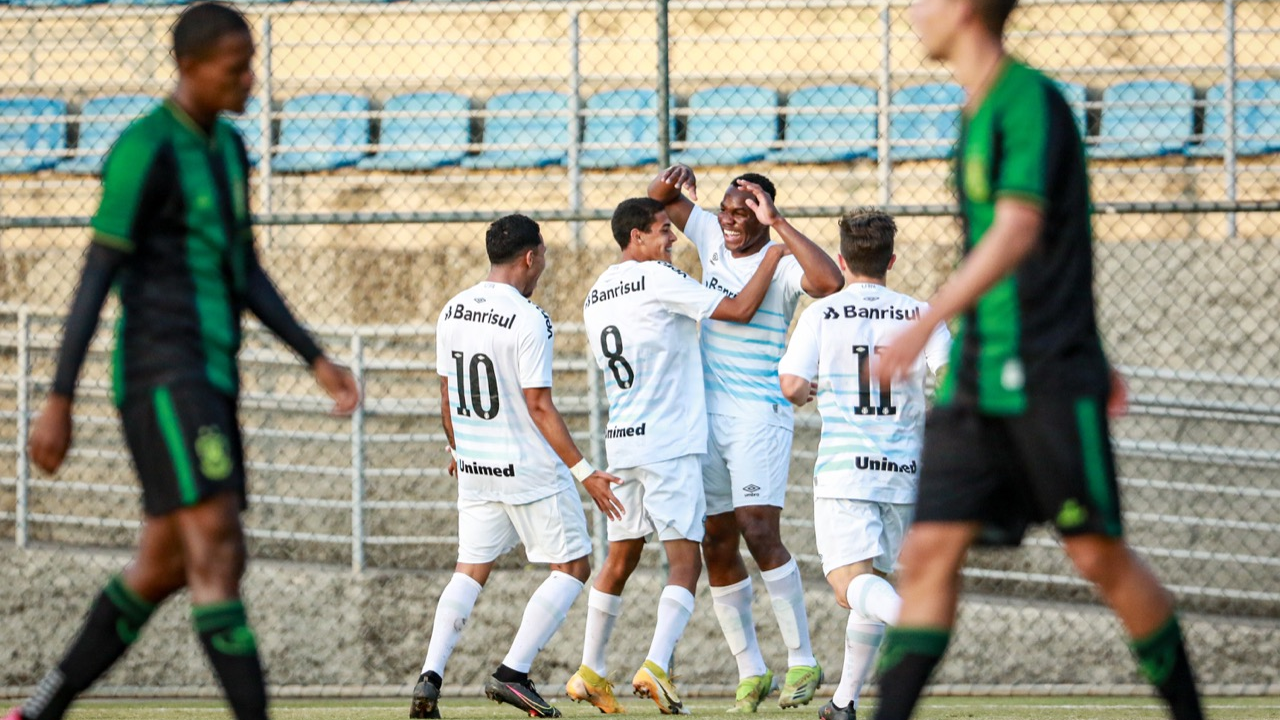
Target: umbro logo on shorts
{"x": 752, "y": 490}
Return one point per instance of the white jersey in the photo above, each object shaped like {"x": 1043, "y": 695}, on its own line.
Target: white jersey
{"x": 740, "y": 360}
{"x": 871, "y": 439}
{"x": 491, "y": 344}
{"x": 642, "y": 325}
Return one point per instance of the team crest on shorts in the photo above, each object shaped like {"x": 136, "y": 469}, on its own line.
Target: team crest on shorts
{"x": 214, "y": 453}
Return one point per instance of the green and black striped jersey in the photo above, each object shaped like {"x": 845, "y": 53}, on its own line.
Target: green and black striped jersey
{"x": 1035, "y": 331}
{"x": 175, "y": 198}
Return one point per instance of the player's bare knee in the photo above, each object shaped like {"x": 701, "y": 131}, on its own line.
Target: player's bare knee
{"x": 579, "y": 569}
{"x": 1098, "y": 559}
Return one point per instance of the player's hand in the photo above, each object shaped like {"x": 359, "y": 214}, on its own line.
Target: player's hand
{"x": 339, "y": 383}
{"x": 896, "y": 358}
{"x": 681, "y": 177}
{"x": 1118, "y": 397}
{"x": 51, "y": 435}
{"x": 597, "y": 485}
{"x": 813, "y": 393}
{"x": 760, "y": 203}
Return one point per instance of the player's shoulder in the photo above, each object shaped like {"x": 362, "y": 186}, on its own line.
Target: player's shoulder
{"x": 664, "y": 269}
{"x": 534, "y": 318}
{"x": 141, "y": 140}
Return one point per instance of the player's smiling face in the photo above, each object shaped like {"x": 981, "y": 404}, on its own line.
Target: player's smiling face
{"x": 743, "y": 231}
{"x": 222, "y": 81}
{"x": 655, "y": 243}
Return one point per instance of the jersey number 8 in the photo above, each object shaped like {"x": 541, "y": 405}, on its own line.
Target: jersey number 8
{"x": 617, "y": 363}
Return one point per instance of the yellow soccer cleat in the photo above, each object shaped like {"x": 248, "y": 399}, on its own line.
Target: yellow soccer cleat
{"x": 802, "y": 682}
{"x": 751, "y": 692}
{"x": 652, "y": 682}
{"x": 587, "y": 685}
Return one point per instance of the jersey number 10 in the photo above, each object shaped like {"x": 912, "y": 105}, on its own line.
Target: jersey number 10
{"x": 886, "y": 406}
{"x": 478, "y": 361}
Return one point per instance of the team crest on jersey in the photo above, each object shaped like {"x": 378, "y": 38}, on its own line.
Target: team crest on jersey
{"x": 214, "y": 453}
{"x": 715, "y": 257}
{"x": 976, "y": 185}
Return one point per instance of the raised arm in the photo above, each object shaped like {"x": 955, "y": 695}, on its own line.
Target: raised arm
{"x": 821, "y": 274}
{"x": 666, "y": 189}
{"x": 742, "y": 308}
{"x": 543, "y": 411}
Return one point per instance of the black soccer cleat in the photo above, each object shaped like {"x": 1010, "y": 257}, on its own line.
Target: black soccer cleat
{"x": 831, "y": 712}
{"x": 520, "y": 694}
{"x": 426, "y": 699}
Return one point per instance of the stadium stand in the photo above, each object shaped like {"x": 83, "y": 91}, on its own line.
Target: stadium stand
{"x": 536, "y": 121}
{"x": 52, "y": 3}
{"x": 102, "y": 119}
{"x": 23, "y": 131}
{"x": 249, "y": 123}
{"x": 744, "y": 116}
{"x": 1257, "y": 119}
{"x": 427, "y": 118}
{"x": 310, "y": 144}
{"x": 924, "y": 133}
{"x": 631, "y": 119}
{"x": 1145, "y": 118}
{"x": 1076, "y": 96}
{"x": 845, "y": 131}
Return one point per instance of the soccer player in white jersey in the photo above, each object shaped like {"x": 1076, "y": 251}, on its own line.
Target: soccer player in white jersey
{"x": 515, "y": 462}
{"x": 749, "y": 447}
{"x": 864, "y": 481}
{"x": 642, "y": 320}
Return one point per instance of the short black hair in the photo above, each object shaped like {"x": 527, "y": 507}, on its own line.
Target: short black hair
{"x": 866, "y": 241}
{"x": 634, "y": 214}
{"x": 510, "y": 237}
{"x": 765, "y": 183}
{"x": 202, "y": 25}
{"x": 994, "y": 14}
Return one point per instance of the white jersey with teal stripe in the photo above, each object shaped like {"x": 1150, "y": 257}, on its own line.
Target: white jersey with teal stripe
{"x": 740, "y": 360}
{"x": 872, "y": 434}
{"x": 642, "y": 324}
{"x": 492, "y": 343}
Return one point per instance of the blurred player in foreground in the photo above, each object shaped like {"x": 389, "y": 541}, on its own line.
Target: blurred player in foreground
{"x": 1019, "y": 432}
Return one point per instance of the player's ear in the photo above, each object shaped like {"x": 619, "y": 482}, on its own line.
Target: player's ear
{"x": 844, "y": 266}
{"x": 892, "y": 259}
{"x": 635, "y": 236}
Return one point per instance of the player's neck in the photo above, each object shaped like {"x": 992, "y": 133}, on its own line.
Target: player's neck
{"x": 506, "y": 275}
{"x": 755, "y": 246}
{"x": 200, "y": 116}
{"x": 850, "y": 279}
{"x": 976, "y": 65}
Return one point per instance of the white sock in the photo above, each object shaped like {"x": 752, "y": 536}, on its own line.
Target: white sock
{"x": 452, "y": 611}
{"x": 787, "y": 596}
{"x": 675, "y": 607}
{"x": 732, "y": 604}
{"x": 543, "y": 616}
{"x": 603, "y": 610}
{"x": 874, "y": 598}
{"x": 861, "y": 640}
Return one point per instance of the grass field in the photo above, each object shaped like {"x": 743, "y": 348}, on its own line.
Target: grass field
{"x": 941, "y": 708}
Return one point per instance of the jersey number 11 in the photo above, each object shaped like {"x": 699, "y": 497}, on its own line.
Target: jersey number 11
{"x": 886, "y": 406}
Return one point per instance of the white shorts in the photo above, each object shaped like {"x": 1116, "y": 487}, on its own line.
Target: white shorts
{"x": 850, "y": 531}
{"x": 665, "y": 496}
{"x": 747, "y": 463}
{"x": 553, "y": 529}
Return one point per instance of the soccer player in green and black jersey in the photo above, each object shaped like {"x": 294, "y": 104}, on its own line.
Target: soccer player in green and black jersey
{"x": 1019, "y": 432}
{"x": 172, "y": 236}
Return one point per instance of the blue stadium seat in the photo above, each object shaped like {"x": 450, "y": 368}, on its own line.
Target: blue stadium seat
{"x": 97, "y": 135}
{"x": 1145, "y": 118}
{"x": 52, "y": 3}
{"x": 632, "y": 119}
{"x": 23, "y": 130}
{"x": 324, "y": 143}
{"x": 148, "y": 2}
{"x": 931, "y": 133}
{"x": 743, "y": 115}
{"x": 830, "y": 133}
{"x": 1257, "y": 119}
{"x": 249, "y": 123}
{"x": 537, "y": 119}
{"x": 444, "y": 119}
{"x": 1076, "y": 96}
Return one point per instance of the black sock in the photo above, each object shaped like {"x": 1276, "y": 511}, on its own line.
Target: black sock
{"x": 114, "y": 621}
{"x": 506, "y": 674}
{"x": 1162, "y": 657}
{"x": 907, "y": 659}
{"x": 233, "y": 651}
{"x": 432, "y": 677}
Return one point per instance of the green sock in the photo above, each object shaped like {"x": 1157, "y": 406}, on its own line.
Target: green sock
{"x": 907, "y": 659}
{"x": 232, "y": 649}
{"x": 1162, "y": 658}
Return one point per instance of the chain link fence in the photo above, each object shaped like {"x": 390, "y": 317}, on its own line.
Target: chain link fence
{"x": 385, "y": 137}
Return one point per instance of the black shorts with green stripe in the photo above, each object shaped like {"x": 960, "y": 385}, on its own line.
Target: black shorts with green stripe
{"x": 185, "y": 442}
{"x": 1051, "y": 463}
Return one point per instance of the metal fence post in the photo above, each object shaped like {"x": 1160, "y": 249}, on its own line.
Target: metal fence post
{"x": 884, "y": 164}
{"x": 664, "y": 87}
{"x": 575, "y": 127}
{"x": 595, "y": 427}
{"x": 264, "y": 124}
{"x": 23, "y": 474}
{"x": 1229, "y": 167}
{"x": 357, "y": 458}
